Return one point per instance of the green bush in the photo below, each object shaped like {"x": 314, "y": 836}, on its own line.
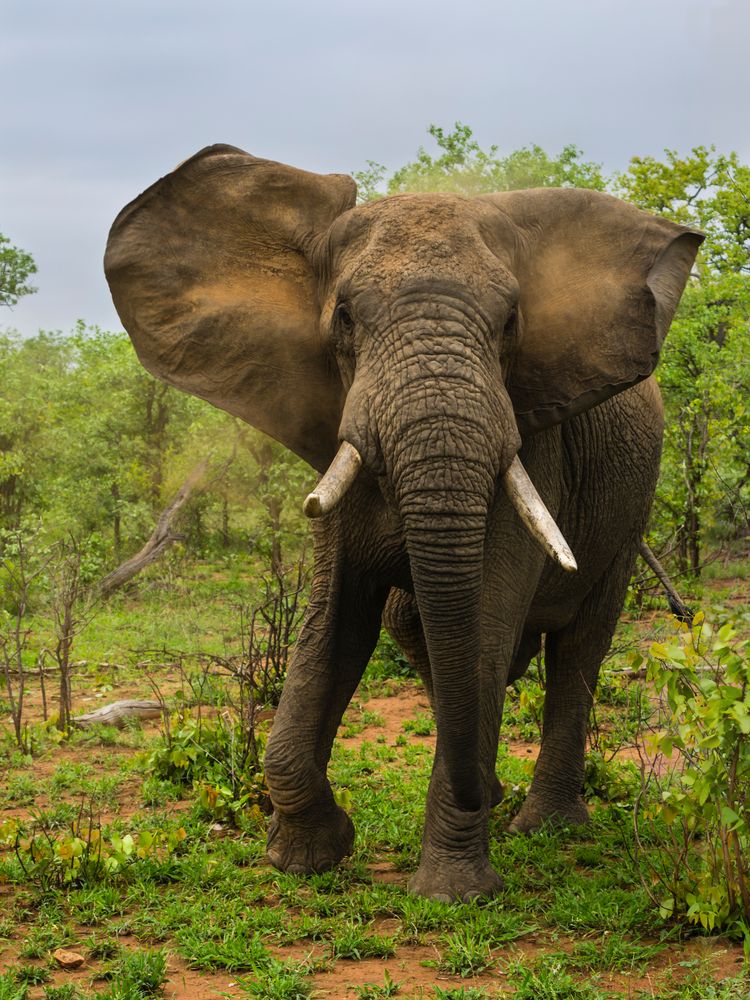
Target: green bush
{"x": 701, "y": 799}
{"x": 217, "y": 757}
{"x": 84, "y": 854}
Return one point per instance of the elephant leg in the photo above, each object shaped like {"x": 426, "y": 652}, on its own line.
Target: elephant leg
{"x": 401, "y": 618}
{"x": 309, "y": 832}
{"x": 455, "y": 845}
{"x": 573, "y": 656}
{"x": 529, "y": 647}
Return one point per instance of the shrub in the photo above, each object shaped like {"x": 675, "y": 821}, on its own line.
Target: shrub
{"x": 701, "y": 803}
{"x": 83, "y": 854}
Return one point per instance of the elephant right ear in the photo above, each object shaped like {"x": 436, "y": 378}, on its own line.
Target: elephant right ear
{"x": 209, "y": 275}
{"x": 600, "y": 281}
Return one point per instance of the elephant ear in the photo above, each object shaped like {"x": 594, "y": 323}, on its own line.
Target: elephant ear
{"x": 209, "y": 274}
{"x": 600, "y": 281}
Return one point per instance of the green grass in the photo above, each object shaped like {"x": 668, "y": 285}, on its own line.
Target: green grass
{"x": 215, "y": 903}
{"x": 11, "y": 989}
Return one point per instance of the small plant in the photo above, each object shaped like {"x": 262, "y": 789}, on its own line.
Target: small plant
{"x": 701, "y": 802}
{"x": 10, "y": 989}
{"x": 44, "y": 938}
{"x": 219, "y": 759}
{"x": 85, "y": 854}
{"x": 422, "y": 724}
{"x": 102, "y": 948}
{"x": 222, "y": 755}
{"x": 352, "y": 942}
{"x": 138, "y": 974}
{"x": 18, "y": 572}
{"x": 371, "y": 991}
{"x": 548, "y": 980}
{"x": 32, "y": 975}
{"x": 69, "y": 991}
{"x": 276, "y": 980}
{"x": 388, "y": 661}
{"x": 609, "y": 780}
{"x": 466, "y": 952}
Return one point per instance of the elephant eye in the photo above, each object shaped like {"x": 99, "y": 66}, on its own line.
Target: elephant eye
{"x": 509, "y": 330}
{"x": 343, "y": 318}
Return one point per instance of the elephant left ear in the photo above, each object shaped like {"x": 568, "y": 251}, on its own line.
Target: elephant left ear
{"x": 600, "y": 281}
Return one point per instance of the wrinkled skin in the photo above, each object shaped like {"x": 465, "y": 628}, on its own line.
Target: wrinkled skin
{"x": 441, "y": 337}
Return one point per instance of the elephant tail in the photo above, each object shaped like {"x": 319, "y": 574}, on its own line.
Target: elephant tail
{"x": 676, "y": 605}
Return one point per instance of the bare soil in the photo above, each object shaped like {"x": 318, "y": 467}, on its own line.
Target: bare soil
{"x": 413, "y": 967}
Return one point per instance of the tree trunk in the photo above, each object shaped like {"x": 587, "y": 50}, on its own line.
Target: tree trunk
{"x": 161, "y": 538}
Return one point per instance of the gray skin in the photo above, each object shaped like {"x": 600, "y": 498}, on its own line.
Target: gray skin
{"x": 456, "y": 333}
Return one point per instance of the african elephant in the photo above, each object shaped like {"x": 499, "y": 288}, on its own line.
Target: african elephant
{"x": 432, "y": 356}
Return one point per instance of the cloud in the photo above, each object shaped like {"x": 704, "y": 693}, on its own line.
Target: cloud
{"x": 107, "y": 97}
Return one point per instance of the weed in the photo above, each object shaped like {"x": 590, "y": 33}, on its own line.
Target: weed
{"x": 102, "y": 948}
{"x": 371, "y": 991}
{"x": 136, "y": 975}
{"x": 32, "y": 975}
{"x": 69, "y": 991}
{"x": 609, "y": 780}
{"x": 233, "y": 948}
{"x": 275, "y": 980}
{"x": 22, "y": 790}
{"x": 466, "y": 952}
{"x": 85, "y": 854}
{"x": 611, "y": 953}
{"x": 422, "y": 724}
{"x": 388, "y": 661}
{"x": 547, "y": 980}
{"x": 10, "y": 989}
{"x": 352, "y": 942}
{"x": 43, "y": 939}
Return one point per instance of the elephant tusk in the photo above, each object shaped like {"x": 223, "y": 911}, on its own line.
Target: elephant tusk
{"x": 338, "y": 477}
{"x": 532, "y": 511}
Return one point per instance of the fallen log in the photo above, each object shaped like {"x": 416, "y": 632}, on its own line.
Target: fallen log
{"x": 116, "y": 713}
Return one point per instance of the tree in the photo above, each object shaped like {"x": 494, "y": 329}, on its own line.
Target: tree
{"x": 463, "y": 167}
{"x": 16, "y": 266}
{"x": 704, "y": 487}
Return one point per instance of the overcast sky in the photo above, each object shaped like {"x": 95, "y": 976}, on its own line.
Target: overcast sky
{"x": 101, "y": 98}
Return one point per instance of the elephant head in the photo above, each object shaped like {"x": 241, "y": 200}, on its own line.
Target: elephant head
{"x": 421, "y": 336}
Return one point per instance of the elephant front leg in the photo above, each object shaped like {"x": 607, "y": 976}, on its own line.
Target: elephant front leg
{"x": 455, "y": 861}
{"x": 309, "y": 832}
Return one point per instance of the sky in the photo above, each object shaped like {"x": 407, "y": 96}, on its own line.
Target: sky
{"x": 103, "y": 97}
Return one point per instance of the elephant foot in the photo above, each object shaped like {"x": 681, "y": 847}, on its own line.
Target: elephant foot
{"x": 315, "y": 842}
{"x": 538, "y": 811}
{"x": 447, "y": 883}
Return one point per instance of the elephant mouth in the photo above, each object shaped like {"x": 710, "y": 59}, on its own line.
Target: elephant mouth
{"x": 521, "y": 492}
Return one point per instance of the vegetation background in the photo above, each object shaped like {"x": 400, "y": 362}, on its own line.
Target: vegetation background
{"x": 99, "y": 464}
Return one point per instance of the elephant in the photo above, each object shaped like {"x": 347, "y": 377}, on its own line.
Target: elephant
{"x": 472, "y": 379}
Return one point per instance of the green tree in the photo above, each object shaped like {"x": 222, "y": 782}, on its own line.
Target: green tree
{"x": 704, "y": 487}
{"x": 463, "y": 167}
{"x": 16, "y": 266}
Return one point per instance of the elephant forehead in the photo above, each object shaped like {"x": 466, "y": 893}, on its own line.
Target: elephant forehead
{"x": 394, "y": 240}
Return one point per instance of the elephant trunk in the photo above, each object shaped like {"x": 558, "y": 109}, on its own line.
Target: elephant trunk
{"x": 442, "y": 461}
{"x": 446, "y": 563}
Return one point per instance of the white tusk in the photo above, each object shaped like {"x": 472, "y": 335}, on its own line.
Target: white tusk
{"x": 540, "y": 523}
{"x": 338, "y": 477}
